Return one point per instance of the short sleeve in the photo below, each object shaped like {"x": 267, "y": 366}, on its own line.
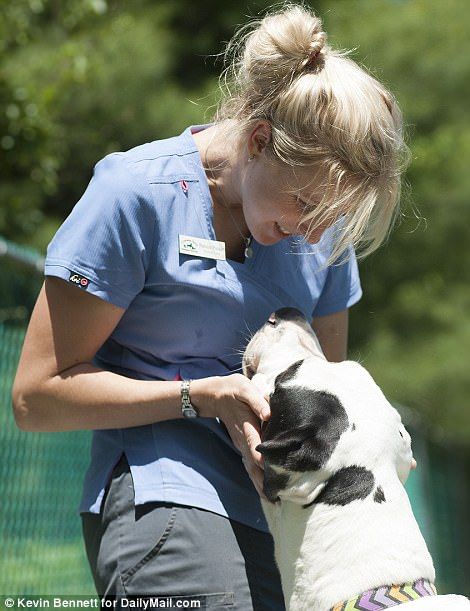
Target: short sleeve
{"x": 104, "y": 245}
{"x": 342, "y": 287}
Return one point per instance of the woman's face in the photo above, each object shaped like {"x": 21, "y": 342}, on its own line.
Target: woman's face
{"x": 271, "y": 212}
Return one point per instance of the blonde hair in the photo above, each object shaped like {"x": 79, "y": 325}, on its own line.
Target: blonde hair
{"x": 325, "y": 112}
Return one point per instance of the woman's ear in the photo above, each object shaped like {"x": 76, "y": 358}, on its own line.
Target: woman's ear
{"x": 260, "y": 137}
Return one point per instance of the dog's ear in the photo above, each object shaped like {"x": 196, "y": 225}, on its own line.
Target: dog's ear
{"x": 304, "y": 428}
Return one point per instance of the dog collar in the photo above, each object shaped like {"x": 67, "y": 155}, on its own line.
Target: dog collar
{"x": 387, "y": 596}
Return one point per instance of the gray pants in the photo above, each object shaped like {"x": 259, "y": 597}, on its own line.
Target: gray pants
{"x": 166, "y": 550}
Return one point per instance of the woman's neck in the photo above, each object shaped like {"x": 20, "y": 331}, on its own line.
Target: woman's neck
{"x": 228, "y": 218}
{"x": 219, "y": 158}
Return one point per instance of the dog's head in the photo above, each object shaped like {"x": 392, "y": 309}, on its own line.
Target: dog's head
{"x": 332, "y": 434}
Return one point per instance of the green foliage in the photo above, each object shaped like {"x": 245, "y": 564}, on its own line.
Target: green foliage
{"x": 412, "y": 328}
{"x": 81, "y": 78}
{"x": 87, "y": 88}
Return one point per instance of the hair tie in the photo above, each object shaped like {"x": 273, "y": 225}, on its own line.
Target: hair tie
{"x": 312, "y": 57}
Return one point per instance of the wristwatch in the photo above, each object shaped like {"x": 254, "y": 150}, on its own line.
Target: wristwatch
{"x": 187, "y": 408}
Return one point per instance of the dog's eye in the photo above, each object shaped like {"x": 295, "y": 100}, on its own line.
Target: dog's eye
{"x": 401, "y": 433}
{"x": 272, "y": 321}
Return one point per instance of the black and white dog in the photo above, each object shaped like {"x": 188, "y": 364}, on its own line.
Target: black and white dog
{"x": 336, "y": 458}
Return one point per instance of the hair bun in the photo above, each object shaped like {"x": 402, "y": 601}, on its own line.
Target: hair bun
{"x": 316, "y": 47}
{"x": 286, "y": 43}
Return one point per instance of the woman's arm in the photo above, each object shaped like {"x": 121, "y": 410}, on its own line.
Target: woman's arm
{"x": 332, "y": 333}
{"x": 57, "y": 388}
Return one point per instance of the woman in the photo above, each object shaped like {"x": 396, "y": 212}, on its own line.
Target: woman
{"x": 178, "y": 250}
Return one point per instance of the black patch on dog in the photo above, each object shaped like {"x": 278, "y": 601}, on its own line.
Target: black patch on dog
{"x": 288, "y": 374}
{"x": 346, "y": 485}
{"x": 273, "y": 482}
{"x": 304, "y": 427}
{"x": 379, "y": 496}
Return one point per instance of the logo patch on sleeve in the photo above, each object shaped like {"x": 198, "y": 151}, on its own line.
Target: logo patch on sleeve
{"x": 79, "y": 280}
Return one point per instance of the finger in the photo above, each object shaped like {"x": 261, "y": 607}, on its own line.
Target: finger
{"x": 258, "y": 484}
{"x": 256, "y": 475}
{"x": 253, "y": 439}
{"x": 251, "y": 395}
{"x": 257, "y": 402}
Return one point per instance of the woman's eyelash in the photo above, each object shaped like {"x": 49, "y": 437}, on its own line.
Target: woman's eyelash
{"x": 302, "y": 205}
{"x": 306, "y": 207}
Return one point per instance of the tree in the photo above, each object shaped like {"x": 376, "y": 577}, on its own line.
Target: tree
{"x": 81, "y": 78}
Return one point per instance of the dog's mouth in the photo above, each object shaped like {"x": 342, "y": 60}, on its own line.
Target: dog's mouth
{"x": 249, "y": 369}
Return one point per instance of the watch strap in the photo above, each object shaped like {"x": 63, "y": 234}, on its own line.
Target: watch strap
{"x": 187, "y": 408}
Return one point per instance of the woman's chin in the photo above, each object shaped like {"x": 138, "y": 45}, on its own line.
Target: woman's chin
{"x": 269, "y": 236}
{"x": 268, "y": 241}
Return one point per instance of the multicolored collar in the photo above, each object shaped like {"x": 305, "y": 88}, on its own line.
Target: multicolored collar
{"x": 387, "y": 596}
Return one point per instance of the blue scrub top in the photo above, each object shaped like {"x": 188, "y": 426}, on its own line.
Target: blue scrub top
{"x": 186, "y": 316}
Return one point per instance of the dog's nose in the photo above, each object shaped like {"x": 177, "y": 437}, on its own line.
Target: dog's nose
{"x": 286, "y": 314}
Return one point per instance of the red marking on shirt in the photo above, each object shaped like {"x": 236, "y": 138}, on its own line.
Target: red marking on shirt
{"x": 184, "y": 186}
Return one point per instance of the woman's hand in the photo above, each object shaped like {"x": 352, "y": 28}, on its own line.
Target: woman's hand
{"x": 241, "y": 406}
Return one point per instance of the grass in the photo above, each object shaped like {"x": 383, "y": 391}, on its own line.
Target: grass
{"x": 37, "y": 567}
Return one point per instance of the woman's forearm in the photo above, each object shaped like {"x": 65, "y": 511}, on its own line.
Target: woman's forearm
{"x": 86, "y": 397}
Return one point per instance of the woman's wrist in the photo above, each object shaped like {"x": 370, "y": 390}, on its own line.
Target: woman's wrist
{"x": 202, "y": 395}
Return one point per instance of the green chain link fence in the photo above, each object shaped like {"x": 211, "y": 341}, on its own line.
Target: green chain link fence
{"x": 41, "y": 475}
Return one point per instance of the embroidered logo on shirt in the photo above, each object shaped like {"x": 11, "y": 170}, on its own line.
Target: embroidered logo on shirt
{"x": 80, "y": 281}
{"x": 184, "y": 186}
